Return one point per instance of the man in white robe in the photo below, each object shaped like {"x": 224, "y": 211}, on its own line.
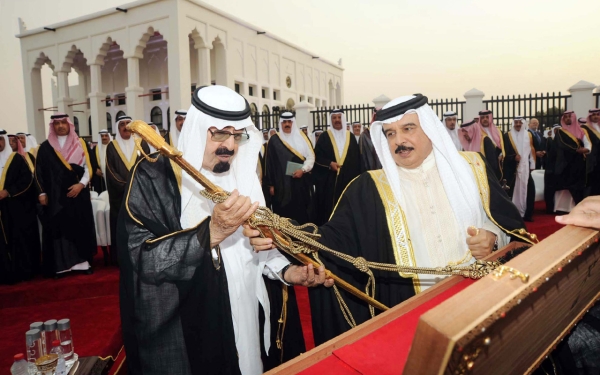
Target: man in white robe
{"x": 450, "y": 120}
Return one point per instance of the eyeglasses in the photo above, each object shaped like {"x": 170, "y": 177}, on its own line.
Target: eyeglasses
{"x": 222, "y": 136}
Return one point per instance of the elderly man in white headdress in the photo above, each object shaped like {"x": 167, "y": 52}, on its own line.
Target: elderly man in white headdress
{"x": 121, "y": 156}
{"x": 337, "y": 163}
{"x": 450, "y": 120}
{"x": 191, "y": 284}
{"x": 357, "y": 130}
{"x": 519, "y": 161}
{"x": 423, "y": 209}
{"x": 172, "y": 137}
{"x": 290, "y": 158}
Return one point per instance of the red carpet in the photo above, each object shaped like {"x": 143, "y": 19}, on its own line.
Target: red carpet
{"x": 90, "y": 301}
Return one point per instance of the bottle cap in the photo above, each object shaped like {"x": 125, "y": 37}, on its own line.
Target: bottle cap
{"x": 55, "y": 343}
{"x": 64, "y": 324}
{"x": 50, "y": 325}
{"x": 32, "y": 335}
{"x": 19, "y": 357}
{"x": 37, "y": 325}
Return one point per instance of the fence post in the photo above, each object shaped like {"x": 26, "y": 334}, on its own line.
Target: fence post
{"x": 582, "y": 98}
{"x": 303, "y": 115}
{"x": 474, "y": 104}
{"x": 381, "y": 100}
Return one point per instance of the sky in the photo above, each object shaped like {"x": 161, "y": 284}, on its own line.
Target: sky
{"x": 439, "y": 48}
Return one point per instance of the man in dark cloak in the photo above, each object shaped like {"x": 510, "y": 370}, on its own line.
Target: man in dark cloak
{"x": 337, "y": 163}
{"x": 368, "y": 156}
{"x": 473, "y": 139}
{"x": 121, "y": 155}
{"x": 193, "y": 300}
{"x": 289, "y": 160}
{"x": 549, "y": 165}
{"x": 592, "y": 130}
{"x": 62, "y": 174}
{"x": 429, "y": 206}
{"x": 99, "y": 161}
{"x": 574, "y": 160}
{"x": 486, "y": 123}
{"x": 19, "y": 240}
{"x": 539, "y": 143}
{"x": 519, "y": 161}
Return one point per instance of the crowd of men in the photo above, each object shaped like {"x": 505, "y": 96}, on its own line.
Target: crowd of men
{"x": 201, "y": 292}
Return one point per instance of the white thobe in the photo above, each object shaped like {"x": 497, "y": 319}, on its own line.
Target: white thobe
{"x": 431, "y": 221}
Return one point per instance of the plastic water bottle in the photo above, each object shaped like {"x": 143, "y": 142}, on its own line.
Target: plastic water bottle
{"x": 66, "y": 338}
{"x": 20, "y": 366}
{"x": 61, "y": 367}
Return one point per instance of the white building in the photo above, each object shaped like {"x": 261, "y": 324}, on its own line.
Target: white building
{"x": 147, "y": 57}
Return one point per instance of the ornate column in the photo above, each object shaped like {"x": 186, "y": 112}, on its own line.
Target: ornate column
{"x": 96, "y": 95}
{"x": 64, "y": 100}
{"x": 135, "y": 104}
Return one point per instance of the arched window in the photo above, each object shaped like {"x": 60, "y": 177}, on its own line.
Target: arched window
{"x": 266, "y": 117}
{"x": 109, "y": 122}
{"x": 254, "y": 114}
{"x": 76, "y": 123}
{"x": 156, "y": 116}
{"x": 119, "y": 114}
{"x": 90, "y": 124}
{"x": 169, "y": 118}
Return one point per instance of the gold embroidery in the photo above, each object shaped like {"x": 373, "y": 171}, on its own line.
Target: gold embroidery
{"x": 29, "y": 162}
{"x": 292, "y": 150}
{"x": 3, "y": 178}
{"x": 128, "y": 163}
{"x": 63, "y": 160}
{"x": 129, "y": 192}
{"x": 590, "y": 127}
{"x": 152, "y": 241}
{"x": 398, "y": 227}
{"x": 338, "y": 159}
{"x": 480, "y": 173}
{"x": 533, "y": 155}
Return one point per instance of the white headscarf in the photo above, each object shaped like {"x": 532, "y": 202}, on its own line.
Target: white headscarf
{"x": 362, "y": 129}
{"x": 339, "y": 136}
{"x": 456, "y": 175}
{"x": 174, "y": 132}
{"x": 243, "y": 266}
{"x": 521, "y": 138}
{"x": 556, "y": 126}
{"x": 127, "y": 145}
{"x": 296, "y": 139}
{"x": 102, "y": 150}
{"x": 6, "y": 152}
{"x": 453, "y": 133}
{"x": 31, "y": 141}
{"x": 313, "y": 137}
{"x": 28, "y": 142}
{"x": 153, "y": 126}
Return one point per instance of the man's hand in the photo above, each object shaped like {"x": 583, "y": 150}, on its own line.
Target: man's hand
{"x": 298, "y": 174}
{"x": 43, "y": 200}
{"x": 501, "y": 158}
{"x": 585, "y": 214}
{"x": 3, "y": 194}
{"x": 481, "y": 242}
{"x": 229, "y": 215}
{"x": 540, "y": 154}
{"x": 334, "y": 166}
{"x": 518, "y": 158}
{"x": 74, "y": 190}
{"x": 272, "y": 190}
{"x": 99, "y": 172}
{"x": 257, "y": 242}
{"x": 307, "y": 276}
{"x": 582, "y": 150}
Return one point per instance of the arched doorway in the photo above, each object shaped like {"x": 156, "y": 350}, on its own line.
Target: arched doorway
{"x": 119, "y": 114}
{"x": 156, "y": 116}
{"x": 266, "y": 117}
{"x": 254, "y": 115}
{"x": 109, "y": 123}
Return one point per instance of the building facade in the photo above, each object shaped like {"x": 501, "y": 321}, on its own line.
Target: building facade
{"x": 145, "y": 58}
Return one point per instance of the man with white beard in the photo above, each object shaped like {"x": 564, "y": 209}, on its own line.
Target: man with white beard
{"x": 192, "y": 287}
{"x": 519, "y": 161}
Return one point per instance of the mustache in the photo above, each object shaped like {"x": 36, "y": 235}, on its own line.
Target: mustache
{"x": 224, "y": 151}
{"x": 403, "y": 148}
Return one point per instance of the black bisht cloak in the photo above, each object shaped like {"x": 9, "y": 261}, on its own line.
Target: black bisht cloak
{"x": 571, "y": 168}
{"x": 594, "y": 177}
{"x": 175, "y": 310}
{"x": 293, "y": 196}
{"x": 491, "y": 154}
{"x": 329, "y": 185}
{"x": 69, "y": 232}
{"x": 19, "y": 240}
{"x": 359, "y": 227}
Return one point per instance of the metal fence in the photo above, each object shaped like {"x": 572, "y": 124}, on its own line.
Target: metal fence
{"x": 440, "y": 106}
{"x": 361, "y": 113}
{"x": 547, "y": 108}
{"x": 266, "y": 120}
